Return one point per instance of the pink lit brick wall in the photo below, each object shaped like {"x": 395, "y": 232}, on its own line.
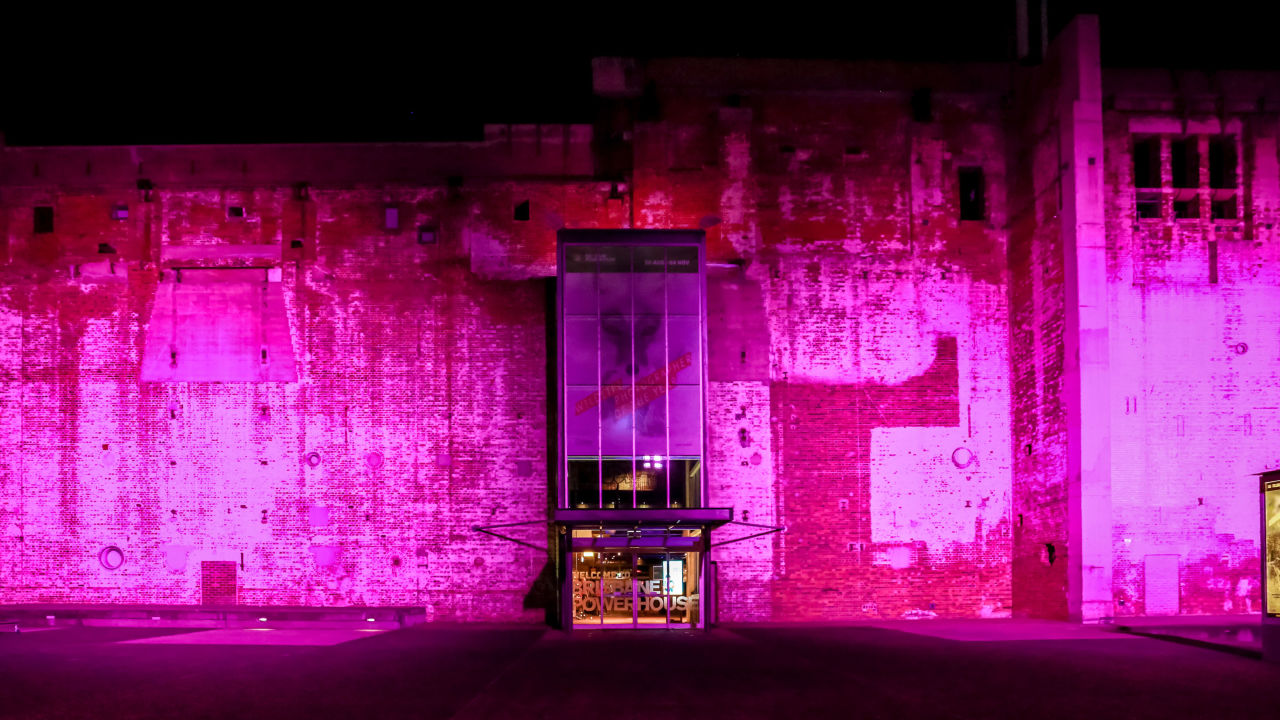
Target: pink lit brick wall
{"x": 421, "y": 389}
{"x": 1195, "y": 384}
{"x": 859, "y": 374}
{"x": 863, "y": 343}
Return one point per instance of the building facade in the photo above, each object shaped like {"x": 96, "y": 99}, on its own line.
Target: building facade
{"x": 919, "y": 340}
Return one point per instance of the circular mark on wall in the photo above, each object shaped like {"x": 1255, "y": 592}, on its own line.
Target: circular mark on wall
{"x": 1241, "y": 348}
{"x": 312, "y": 459}
{"x": 111, "y": 557}
{"x": 756, "y": 459}
{"x": 962, "y": 457}
{"x": 478, "y": 562}
{"x": 373, "y": 460}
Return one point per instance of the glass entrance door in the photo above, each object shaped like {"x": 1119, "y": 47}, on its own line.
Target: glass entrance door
{"x": 617, "y": 593}
{"x": 632, "y": 588}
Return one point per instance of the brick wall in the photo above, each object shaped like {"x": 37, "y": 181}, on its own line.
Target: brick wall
{"x": 859, "y": 347}
{"x": 1194, "y": 381}
{"x": 419, "y": 411}
{"x": 859, "y": 361}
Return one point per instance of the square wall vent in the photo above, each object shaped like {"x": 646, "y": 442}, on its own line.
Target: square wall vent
{"x": 218, "y": 582}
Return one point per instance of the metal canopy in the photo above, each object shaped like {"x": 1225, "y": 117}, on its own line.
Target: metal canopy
{"x": 658, "y": 517}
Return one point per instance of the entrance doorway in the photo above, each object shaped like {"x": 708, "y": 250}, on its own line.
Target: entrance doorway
{"x": 631, "y": 588}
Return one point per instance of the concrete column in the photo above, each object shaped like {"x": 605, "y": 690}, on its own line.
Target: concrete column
{"x": 1087, "y": 368}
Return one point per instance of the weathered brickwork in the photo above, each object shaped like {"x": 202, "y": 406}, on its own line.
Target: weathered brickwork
{"x": 1036, "y": 326}
{"x": 1195, "y": 307}
{"x": 419, "y": 410}
{"x": 868, "y": 317}
{"x": 306, "y": 374}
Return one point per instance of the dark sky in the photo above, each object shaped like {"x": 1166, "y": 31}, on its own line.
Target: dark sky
{"x": 235, "y": 76}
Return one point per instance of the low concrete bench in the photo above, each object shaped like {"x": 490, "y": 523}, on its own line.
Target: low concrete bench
{"x": 8, "y": 626}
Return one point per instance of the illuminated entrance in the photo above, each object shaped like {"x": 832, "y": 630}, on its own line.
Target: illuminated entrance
{"x": 634, "y": 526}
{"x": 633, "y": 588}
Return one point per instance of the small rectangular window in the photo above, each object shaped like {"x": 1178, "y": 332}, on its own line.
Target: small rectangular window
{"x": 972, "y": 200}
{"x": 1148, "y": 205}
{"x": 1146, "y": 162}
{"x": 1222, "y": 162}
{"x": 522, "y": 212}
{"x": 1186, "y": 204}
{"x": 391, "y": 217}
{"x": 1224, "y": 209}
{"x": 43, "y": 219}
{"x": 235, "y": 212}
{"x": 1185, "y": 162}
{"x": 922, "y": 105}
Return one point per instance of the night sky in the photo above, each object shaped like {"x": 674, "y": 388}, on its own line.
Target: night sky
{"x": 236, "y": 77}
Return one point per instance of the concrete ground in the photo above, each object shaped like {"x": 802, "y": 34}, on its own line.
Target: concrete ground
{"x": 920, "y": 669}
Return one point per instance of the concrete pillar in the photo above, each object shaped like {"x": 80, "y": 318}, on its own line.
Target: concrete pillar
{"x": 1087, "y": 369}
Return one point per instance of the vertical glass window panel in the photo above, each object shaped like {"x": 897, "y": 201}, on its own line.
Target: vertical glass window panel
{"x": 684, "y": 291}
{"x": 615, "y": 351}
{"x": 651, "y": 606}
{"x": 618, "y": 484}
{"x": 651, "y": 420}
{"x": 617, "y": 422}
{"x": 650, "y": 344}
{"x": 584, "y": 482}
{"x": 616, "y": 376}
{"x": 582, "y": 424}
{"x": 616, "y": 586}
{"x": 615, "y": 280}
{"x": 686, "y": 420}
{"x": 677, "y": 477}
{"x": 580, "y": 293}
{"x": 651, "y": 481}
{"x": 581, "y": 360}
{"x": 684, "y": 361}
{"x": 649, "y": 271}
{"x": 693, "y": 484}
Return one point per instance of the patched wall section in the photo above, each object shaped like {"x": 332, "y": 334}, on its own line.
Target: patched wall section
{"x": 884, "y": 449}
